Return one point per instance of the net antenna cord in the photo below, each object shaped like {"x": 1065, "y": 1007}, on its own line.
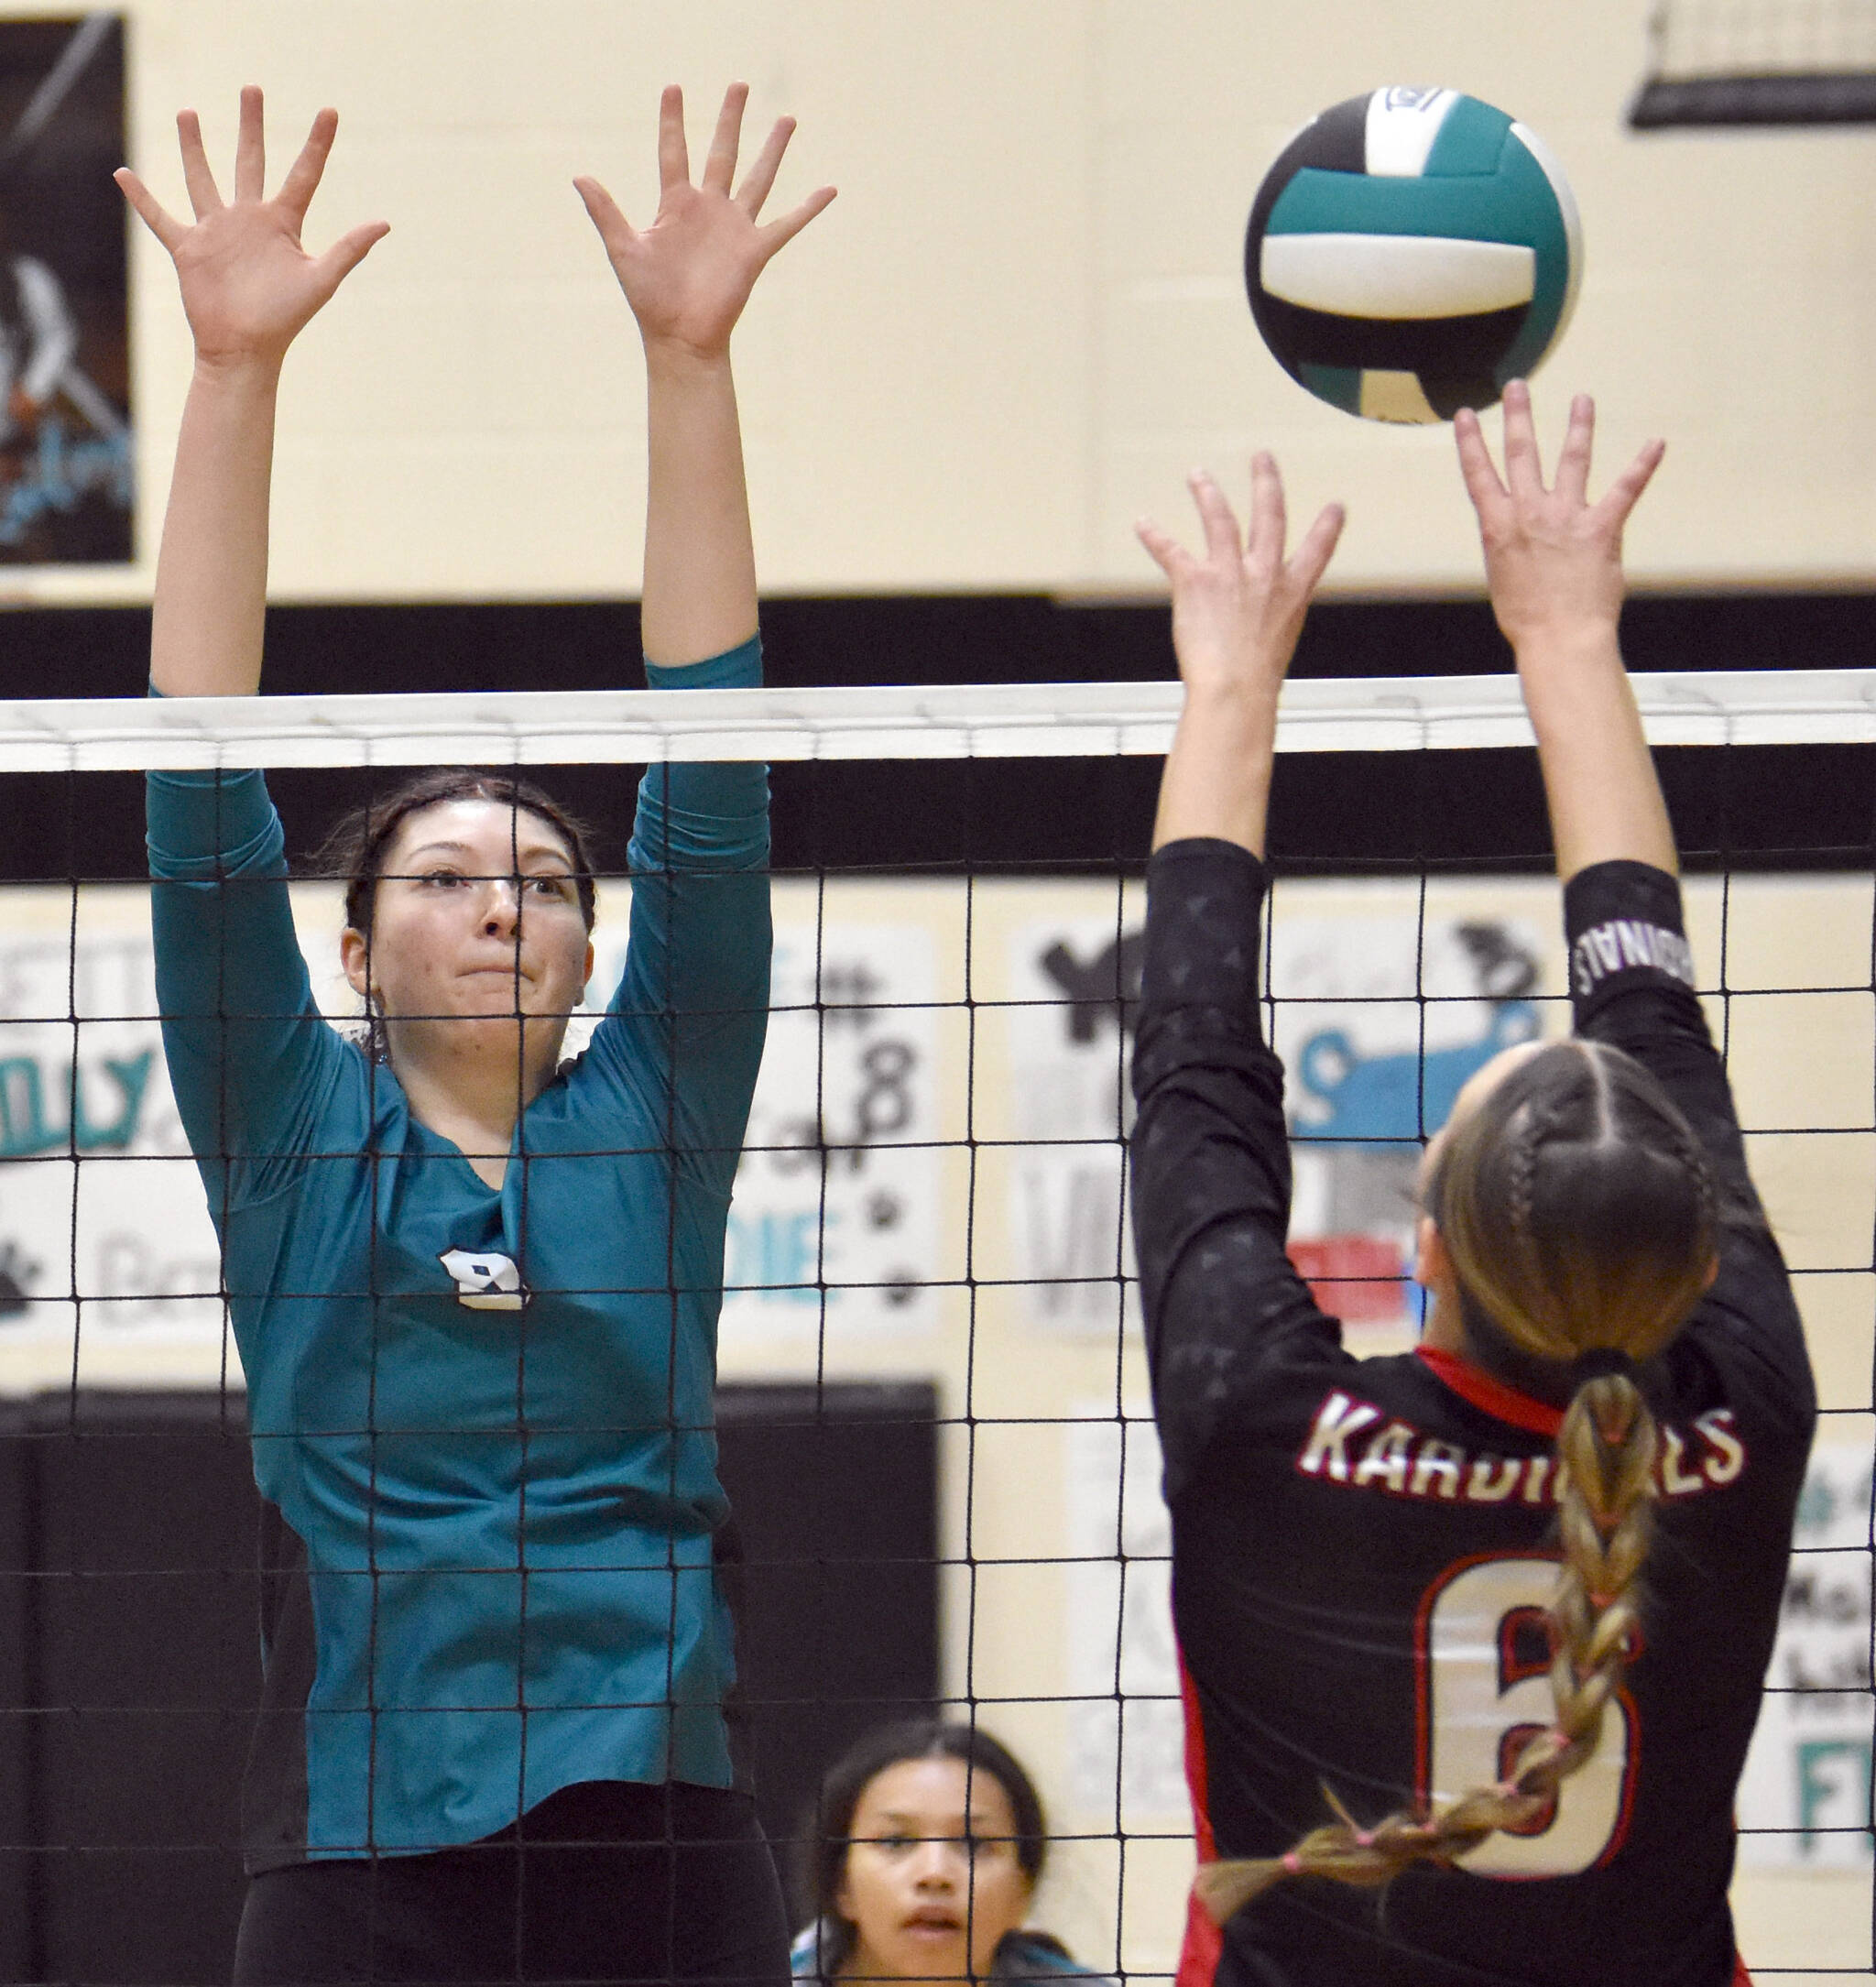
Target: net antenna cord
{"x": 904, "y": 721}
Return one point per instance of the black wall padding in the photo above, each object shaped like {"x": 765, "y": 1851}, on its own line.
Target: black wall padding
{"x": 835, "y": 1495}
{"x": 1719, "y": 102}
{"x": 130, "y": 1649}
{"x": 132, "y": 1583}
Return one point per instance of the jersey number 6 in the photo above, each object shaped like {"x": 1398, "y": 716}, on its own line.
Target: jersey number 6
{"x": 1483, "y": 1658}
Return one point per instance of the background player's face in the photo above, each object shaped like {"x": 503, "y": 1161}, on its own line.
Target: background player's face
{"x": 932, "y": 1879}
{"x": 476, "y": 915}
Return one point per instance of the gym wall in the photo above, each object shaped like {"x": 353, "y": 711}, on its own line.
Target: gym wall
{"x": 1020, "y": 324}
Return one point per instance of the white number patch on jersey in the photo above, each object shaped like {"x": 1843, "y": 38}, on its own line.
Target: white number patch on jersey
{"x": 485, "y": 1281}
{"x": 1485, "y": 1693}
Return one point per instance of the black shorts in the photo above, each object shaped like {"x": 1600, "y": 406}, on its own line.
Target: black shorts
{"x": 602, "y": 1882}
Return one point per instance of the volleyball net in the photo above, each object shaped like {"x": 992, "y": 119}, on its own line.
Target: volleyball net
{"x": 934, "y": 1409}
{"x": 1725, "y": 63}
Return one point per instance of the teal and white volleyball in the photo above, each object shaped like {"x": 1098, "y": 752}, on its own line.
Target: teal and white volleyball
{"x": 1411, "y": 252}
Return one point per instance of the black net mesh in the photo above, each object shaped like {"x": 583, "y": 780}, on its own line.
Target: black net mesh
{"x": 1720, "y": 62}
{"x": 931, "y": 1410}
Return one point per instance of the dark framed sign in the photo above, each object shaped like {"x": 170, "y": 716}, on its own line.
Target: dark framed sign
{"x": 67, "y": 487}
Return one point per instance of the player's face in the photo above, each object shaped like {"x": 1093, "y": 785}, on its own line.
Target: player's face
{"x": 933, "y": 1879}
{"x": 477, "y": 918}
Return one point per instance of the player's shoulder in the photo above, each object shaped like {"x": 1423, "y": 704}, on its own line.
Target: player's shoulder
{"x": 1442, "y": 1393}
{"x": 1746, "y": 1355}
{"x": 1030, "y": 1955}
{"x": 599, "y": 1078}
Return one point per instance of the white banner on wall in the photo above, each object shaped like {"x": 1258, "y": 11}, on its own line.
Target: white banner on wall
{"x": 835, "y": 1210}
{"x": 108, "y": 1263}
{"x": 1808, "y": 1774}
{"x": 109, "y": 1266}
{"x": 1381, "y": 1016}
{"x": 1073, "y": 983}
{"x": 1127, "y": 1743}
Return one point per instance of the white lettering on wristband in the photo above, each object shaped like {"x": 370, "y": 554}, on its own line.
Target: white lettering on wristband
{"x": 1626, "y": 945}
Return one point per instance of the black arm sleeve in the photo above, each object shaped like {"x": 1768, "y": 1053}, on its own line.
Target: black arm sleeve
{"x": 1631, "y": 983}
{"x": 1210, "y": 1154}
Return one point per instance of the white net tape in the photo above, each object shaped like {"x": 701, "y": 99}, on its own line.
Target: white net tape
{"x": 895, "y": 720}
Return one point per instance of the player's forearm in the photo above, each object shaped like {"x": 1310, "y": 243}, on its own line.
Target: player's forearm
{"x": 209, "y": 617}
{"x": 1599, "y": 776}
{"x": 700, "y": 559}
{"x": 1217, "y": 777}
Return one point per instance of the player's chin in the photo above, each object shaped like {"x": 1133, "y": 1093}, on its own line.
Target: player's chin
{"x": 929, "y": 1956}
{"x": 474, "y": 995}
{"x": 502, "y": 1028}
{"x": 488, "y": 1008}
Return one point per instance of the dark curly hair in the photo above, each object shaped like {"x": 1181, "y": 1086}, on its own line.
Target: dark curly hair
{"x": 360, "y": 841}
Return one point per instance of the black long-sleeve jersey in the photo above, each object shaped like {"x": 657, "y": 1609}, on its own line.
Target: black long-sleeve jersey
{"x": 1363, "y": 1549}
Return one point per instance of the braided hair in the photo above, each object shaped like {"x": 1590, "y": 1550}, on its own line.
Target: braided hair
{"x": 1580, "y": 1217}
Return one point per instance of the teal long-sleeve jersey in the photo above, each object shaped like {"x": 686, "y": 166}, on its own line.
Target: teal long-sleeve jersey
{"x": 482, "y": 1417}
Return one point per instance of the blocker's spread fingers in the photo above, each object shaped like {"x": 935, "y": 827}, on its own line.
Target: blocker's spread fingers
{"x": 1524, "y": 464}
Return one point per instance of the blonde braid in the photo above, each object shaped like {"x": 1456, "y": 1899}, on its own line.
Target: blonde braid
{"x": 1607, "y": 1448}
{"x": 1605, "y": 1451}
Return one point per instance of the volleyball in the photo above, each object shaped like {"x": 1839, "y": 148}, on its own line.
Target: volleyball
{"x": 1411, "y": 251}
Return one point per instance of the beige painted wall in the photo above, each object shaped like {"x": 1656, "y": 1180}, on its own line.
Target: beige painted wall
{"x": 1021, "y": 321}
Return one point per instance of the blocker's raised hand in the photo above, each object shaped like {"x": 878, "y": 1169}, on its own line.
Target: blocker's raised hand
{"x": 1552, "y": 560}
{"x": 689, "y": 274}
{"x": 248, "y": 284}
{"x": 1238, "y": 608}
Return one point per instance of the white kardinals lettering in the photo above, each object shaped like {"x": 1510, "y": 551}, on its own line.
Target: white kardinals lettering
{"x": 1390, "y": 1455}
{"x": 1335, "y": 1420}
{"x": 485, "y": 1281}
{"x": 1728, "y": 1455}
{"x": 1443, "y": 1460}
{"x": 1397, "y": 1458}
{"x": 1493, "y": 1479}
{"x": 1622, "y": 944}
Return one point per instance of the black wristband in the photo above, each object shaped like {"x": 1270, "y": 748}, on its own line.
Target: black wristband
{"x": 1624, "y": 927}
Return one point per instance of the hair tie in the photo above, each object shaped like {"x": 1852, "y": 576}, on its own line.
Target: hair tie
{"x": 1363, "y": 1838}
{"x": 1603, "y": 1362}
{"x": 1292, "y": 1863}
